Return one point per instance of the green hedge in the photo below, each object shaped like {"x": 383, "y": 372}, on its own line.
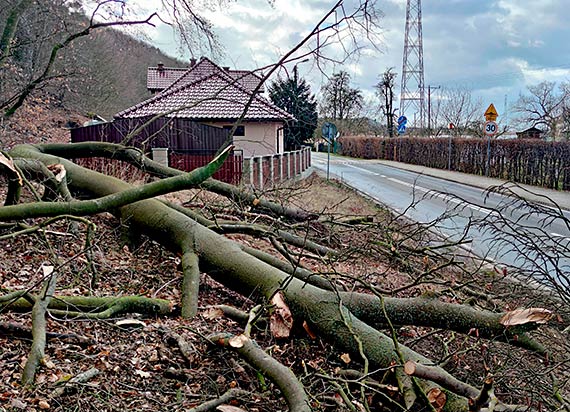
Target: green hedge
{"x": 533, "y": 162}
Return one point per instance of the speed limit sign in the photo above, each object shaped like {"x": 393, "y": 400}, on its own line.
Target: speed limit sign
{"x": 490, "y": 128}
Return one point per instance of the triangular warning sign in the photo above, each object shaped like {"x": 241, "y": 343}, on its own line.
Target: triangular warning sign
{"x": 491, "y": 113}
{"x": 491, "y": 110}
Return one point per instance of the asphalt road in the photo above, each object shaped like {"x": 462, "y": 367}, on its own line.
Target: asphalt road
{"x": 434, "y": 197}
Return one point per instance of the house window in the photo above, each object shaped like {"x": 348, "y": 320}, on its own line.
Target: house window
{"x": 240, "y": 130}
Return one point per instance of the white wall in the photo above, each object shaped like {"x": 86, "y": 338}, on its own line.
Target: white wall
{"x": 261, "y": 138}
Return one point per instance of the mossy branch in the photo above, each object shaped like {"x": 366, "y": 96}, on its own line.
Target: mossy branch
{"x": 39, "y": 310}
{"x": 138, "y": 159}
{"x": 283, "y": 377}
{"x": 94, "y": 307}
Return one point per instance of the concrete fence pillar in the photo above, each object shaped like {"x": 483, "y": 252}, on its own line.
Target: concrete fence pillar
{"x": 271, "y": 170}
{"x": 250, "y": 170}
{"x": 160, "y": 155}
{"x": 295, "y": 162}
{"x": 280, "y": 166}
{"x": 260, "y": 171}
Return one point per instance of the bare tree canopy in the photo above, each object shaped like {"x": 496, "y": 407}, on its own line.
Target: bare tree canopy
{"x": 385, "y": 91}
{"x": 546, "y": 107}
{"x": 340, "y": 101}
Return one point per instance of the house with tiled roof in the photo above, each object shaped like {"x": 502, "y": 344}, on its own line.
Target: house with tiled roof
{"x": 216, "y": 96}
{"x": 160, "y": 77}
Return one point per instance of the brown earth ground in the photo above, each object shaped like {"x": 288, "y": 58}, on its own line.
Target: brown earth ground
{"x": 144, "y": 369}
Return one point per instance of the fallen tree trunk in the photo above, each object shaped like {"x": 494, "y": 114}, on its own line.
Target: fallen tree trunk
{"x": 224, "y": 259}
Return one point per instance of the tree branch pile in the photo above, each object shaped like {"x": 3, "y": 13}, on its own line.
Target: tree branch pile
{"x": 352, "y": 321}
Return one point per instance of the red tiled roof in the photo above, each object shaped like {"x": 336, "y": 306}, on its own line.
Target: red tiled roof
{"x": 213, "y": 97}
{"x": 159, "y": 78}
{"x": 167, "y": 77}
{"x": 247, "y": 79}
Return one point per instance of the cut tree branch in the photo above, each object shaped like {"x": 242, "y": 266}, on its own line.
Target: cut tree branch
{"x": 283, "y": 377}
{"x": 39, "y": 310}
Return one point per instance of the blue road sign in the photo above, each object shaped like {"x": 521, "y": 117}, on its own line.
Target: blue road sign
{"x": 329, "y": 131}
{"x": 402, "y": 122}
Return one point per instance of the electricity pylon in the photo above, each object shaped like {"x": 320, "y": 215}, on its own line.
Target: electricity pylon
{"x": 412, "y": 99}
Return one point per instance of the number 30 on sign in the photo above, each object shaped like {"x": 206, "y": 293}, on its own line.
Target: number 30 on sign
{"x": 491, "y": 128}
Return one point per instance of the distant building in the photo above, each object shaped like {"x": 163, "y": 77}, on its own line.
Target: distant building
{"x": 532, "y": 133}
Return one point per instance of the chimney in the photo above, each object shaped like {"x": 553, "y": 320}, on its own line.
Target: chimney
{"x": 160, "y": 68}
{"x": 227, "y": 68}
{"x": 192, "y": 62}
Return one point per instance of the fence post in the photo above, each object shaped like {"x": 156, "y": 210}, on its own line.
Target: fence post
{"x": 280, "y": 166}
{"x": 260, "y": 171}
{"x": 160, "y": 155}
{"x": 271, "y": 170}
{"x": 250, "y": 171}
{"x": 294, "y": 163}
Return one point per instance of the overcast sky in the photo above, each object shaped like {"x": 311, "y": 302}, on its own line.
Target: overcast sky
{"x": 493, "y": 47}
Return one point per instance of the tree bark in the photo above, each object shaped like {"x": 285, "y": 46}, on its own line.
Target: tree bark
{"x": 37, "y": 350}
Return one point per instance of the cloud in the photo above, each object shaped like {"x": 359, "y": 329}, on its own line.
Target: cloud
{"x": 492, "y": 47}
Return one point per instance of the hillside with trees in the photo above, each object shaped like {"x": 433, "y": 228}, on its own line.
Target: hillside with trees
{"x": 100, "y": 73}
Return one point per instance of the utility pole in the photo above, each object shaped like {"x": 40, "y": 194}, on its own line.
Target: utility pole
{"x": 412, "y": 90}
{"x": 430, "y": 87}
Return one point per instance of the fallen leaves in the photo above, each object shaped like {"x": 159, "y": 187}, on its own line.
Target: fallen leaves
{"x": 142, "y": 374}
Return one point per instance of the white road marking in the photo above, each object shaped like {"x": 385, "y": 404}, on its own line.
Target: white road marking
{"x": 444, "y": 197}
{"x": 361, "y": 169}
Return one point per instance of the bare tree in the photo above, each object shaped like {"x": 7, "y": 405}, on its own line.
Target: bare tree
{"x": 340, "y": 101}
{"x": 545, "y": 107}
{"x": 458, "y": 108}
{"x": 385, "y": 91}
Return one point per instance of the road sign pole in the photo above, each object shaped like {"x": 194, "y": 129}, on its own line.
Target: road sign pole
{"x": 490, "y": 129}
{"x": 329, "y": 131}
{"x": 328, "y": 158}
{"x": 488, "y": 166}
